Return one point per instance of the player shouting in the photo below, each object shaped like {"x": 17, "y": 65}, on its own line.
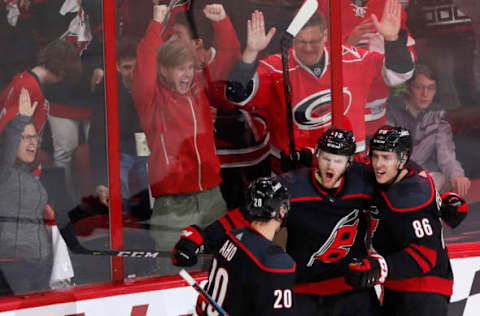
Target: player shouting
{"x": 327, "y": 227}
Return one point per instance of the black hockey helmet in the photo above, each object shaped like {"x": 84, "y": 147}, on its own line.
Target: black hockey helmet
{"x": 337, "y": 141}
{"x": 265, "y": 197}
{"x": 392, "y": 139}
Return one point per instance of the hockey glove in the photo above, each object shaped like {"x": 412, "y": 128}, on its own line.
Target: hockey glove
{"x": 454, "y": 209}
{"x": 368, "y": 272}
{"x": 297, "y": 159}
{"x": 184, "y": 254}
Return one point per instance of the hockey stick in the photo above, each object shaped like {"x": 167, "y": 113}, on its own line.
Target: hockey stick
{"x": 147, "y": 254}
{"x": 308, "y": 8}
{"x": 188, "y": 278}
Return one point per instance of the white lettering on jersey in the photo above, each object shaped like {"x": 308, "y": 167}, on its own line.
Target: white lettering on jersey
{"x": 283, "y": 299}
{"x": 228, "y": 250}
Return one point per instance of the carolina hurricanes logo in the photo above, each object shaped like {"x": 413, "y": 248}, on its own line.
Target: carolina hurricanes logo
{"x": 359, "y": 7}
{"x": 341, "y": 239}
{"x": 315, "y": 111}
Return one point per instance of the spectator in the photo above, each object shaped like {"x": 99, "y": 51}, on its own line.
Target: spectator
{"x": 133, "y": 160}
{"x": 174, "y": 111}
{"x": 71, "y": 102}
{"x": 56, "y": 62}
{"x": 433, "y": 146}
{"x": 241, "y": 138}
{"x": 358, "y": 30}
{"x": 472, "y": 9}
{"x": 25, "y": 241}
{"x": 309, "y": 68}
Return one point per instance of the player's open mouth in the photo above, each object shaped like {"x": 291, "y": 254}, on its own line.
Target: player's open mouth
{"x": 329, "y": 175}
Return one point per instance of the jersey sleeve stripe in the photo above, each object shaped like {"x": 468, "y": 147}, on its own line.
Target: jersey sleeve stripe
{"x": 429, "y": 254}
{"x": 419, "y": 260}
{"x": 423, "y": 262}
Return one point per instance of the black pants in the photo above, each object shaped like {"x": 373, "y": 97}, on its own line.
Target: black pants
{"x": 351, "y": 303}
{"x": 414, "y": 303}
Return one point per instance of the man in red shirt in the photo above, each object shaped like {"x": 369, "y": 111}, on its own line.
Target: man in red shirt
{"x": 259, "y": 84}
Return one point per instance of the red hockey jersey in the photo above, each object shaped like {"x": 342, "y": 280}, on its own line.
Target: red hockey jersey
{"x": 353, "y": 13}
{"x": 311, "y": 96}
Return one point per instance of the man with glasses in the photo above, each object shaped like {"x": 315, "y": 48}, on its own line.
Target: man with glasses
{"x": 433, "y": 146}
{"x": 258, "y": 85}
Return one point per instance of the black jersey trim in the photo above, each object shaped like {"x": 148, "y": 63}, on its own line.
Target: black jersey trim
{"x": 416, "y": 208}
{"x": 255, "y": 259}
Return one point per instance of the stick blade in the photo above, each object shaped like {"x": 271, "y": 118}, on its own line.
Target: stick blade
{"x": 308, "y": 8}
{"x": 187, "y": 277}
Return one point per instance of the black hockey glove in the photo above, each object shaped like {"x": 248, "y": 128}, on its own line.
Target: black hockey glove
{"x": 454, "y": 209}
{"x": 184, "y": 254}
{"x": 368, "y": 272}
{"x": 296, "y": 160}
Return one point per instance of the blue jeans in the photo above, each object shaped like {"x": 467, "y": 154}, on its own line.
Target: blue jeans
{"x": 136, "y": 167}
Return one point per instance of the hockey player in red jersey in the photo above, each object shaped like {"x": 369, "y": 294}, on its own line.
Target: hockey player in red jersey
{"x": 408, "y": 253}
{"x": 250, "y": 274}
{"x": 259, "y": 85}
